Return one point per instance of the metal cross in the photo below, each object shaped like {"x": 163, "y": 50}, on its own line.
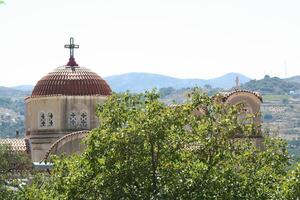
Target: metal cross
{"x": 71, "y": 46}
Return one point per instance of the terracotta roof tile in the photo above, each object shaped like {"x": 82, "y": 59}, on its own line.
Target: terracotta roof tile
{"x": 17, "y": 144}
{"x": 225, "y": 95}
{"x": 71, "y": 81}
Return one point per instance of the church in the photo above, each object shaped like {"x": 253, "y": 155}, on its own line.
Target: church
{"x": 61, "y": 110}
{"x": 62, "y": 103}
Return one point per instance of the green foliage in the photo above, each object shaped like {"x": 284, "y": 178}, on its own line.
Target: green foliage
{"x": 13, "y": 167}
{"x": 271, "y": 85}
{"x": 147, "y": 150}
{"x": 270, "y": 97}
{"x": 292, "y": 184}
{"x": 166, "y": 91}
{"x": 169, "y": 94}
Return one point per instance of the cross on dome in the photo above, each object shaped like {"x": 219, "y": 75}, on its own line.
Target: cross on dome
{"x": 72, "y": 46}
{"x": 72, "y": 63}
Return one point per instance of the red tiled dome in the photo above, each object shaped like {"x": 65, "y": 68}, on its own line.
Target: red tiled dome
{"x": 71, "y": 81}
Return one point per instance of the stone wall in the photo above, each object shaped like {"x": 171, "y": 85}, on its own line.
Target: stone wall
{"x": 49, "y": 118}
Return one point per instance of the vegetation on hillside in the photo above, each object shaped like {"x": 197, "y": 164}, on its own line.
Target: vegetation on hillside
{"x": 9, "y": 129}
{"x": 294, "y": 79}
{"x": 147, "y": 150}
{"x": 16, "y": 105}
{"x": 172, "y": 95}
{"x": 10, "y": 92}
{"x": 271, "y": 85}
{"x": 12, "y": 111}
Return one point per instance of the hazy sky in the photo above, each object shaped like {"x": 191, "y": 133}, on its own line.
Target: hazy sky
{"x": 181, "y": 38}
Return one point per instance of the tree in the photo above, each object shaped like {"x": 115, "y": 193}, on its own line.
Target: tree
{"x": 147, "y": 150}
{"x": 13, "y": 167}
{"x": 166, "y": 91}
{"x": 292, "y": 184}
{"x": 208, "y": 87}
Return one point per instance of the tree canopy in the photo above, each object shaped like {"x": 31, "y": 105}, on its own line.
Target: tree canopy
{"x": 13, "y": 167}
{"x": 144, "y": 149}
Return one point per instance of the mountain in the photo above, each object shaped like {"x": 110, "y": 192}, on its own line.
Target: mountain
{"x": 227, "y": 81}
{"x": 293, "y": 79}
{"x": 25, "y": 88}
{"x": 138, "y": 82}
{"x": 10, "y": 92}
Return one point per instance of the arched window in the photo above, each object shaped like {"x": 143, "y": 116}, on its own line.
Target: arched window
{"x": 83, "y": 120}
{"x": 72, "y": 120}
{"x": 50, "y": 120}
{"x": 46, "y": 120}
{"x": 42, "y": 120}
{"x": 78, "y": 120}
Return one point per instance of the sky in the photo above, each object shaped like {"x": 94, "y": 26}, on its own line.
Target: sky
{"x": 180, "y": 38}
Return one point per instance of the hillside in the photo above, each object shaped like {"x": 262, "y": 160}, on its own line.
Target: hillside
{"x": 12, "y": 111}
{"x": 10, "y": 92}
{"x": 138, "y": 82}
{"x": 24, "y": 88}
{"x": 293, "y": 79}
{"x": 272, "y": 85}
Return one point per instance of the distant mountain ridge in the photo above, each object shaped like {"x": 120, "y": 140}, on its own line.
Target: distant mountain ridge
{"x": 10, "y": 92}
{"x": 139, "y": 82}
{"x": 25, "y": 88}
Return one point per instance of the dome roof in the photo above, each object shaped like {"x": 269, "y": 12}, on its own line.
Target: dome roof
{"x": 68, "y": 80}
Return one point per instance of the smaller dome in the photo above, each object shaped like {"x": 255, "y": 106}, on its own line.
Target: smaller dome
{"x": 71, "y": 81}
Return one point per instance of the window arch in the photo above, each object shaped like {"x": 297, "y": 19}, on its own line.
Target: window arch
{"x": 72, "y": 120}
{"x": 42, "y": 120}
{"x": 50, "y": 122}
{"x": 78, "y": 120}
{"x": 83, "y": 120}
{"x": 46, "y": 120}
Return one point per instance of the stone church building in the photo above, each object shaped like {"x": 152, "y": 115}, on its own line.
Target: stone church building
{"x": 61, "y": 110}
{"x": 62, "y": 103}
